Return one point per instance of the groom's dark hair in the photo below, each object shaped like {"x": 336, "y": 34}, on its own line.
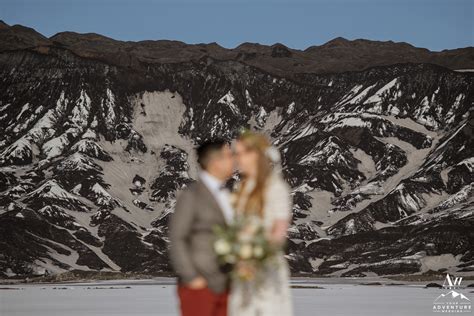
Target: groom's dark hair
{"x": 206, "y": 150}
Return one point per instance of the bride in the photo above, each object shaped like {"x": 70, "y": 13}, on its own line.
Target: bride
{"x": 263, "y": 194}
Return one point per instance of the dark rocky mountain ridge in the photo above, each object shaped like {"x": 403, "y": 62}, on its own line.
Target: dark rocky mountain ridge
{"x": 98, "y": 137}
{"x": 337, "y": 55}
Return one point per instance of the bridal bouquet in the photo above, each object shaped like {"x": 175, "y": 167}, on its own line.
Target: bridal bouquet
{"x": 244, "y": 246}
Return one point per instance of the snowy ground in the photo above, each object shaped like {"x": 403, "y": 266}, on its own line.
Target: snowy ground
{"x": 157, "y": 297}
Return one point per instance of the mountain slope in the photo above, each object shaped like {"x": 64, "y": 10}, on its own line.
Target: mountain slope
{"x": 98, "y": 138}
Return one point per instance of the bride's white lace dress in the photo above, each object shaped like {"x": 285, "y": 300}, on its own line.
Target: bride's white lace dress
{"x": 272, "y": 297}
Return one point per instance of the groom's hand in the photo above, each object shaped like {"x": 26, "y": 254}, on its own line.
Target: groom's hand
{"x": 197, "y": 283}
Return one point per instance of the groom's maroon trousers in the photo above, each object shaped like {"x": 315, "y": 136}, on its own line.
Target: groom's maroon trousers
{"x": 202, "y": 302}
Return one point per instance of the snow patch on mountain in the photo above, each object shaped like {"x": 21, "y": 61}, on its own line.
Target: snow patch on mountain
{"x": 423, "y": 114}
{"x": 228, "y": 99}
{"x": 359, "y": 96}
{"x": 261, "y": 116}
{"x": 80, "y": 113}
{"x": 350, "y": 94}
{"x": 377, "y": 97}
{"x": 108, "y": 105}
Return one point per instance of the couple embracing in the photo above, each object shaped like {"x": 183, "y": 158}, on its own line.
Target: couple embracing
{"x": 242, "y": 285}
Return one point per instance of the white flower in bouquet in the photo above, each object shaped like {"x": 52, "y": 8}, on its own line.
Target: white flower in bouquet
{"x": 258, "y": 252}
{"x": 245, "y": 251}
{"x": 222, "y": 247}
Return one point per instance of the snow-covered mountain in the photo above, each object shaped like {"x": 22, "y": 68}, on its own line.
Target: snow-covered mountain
{"x": 98, "y": 138}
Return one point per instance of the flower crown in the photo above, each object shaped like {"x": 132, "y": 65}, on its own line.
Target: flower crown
{"x": 271, "y": 152}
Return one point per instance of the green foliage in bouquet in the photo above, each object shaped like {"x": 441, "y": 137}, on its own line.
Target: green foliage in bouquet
{"x": 245, "y": 246}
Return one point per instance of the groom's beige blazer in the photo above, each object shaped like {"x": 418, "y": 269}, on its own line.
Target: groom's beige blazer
{"x": 191, "y": 235}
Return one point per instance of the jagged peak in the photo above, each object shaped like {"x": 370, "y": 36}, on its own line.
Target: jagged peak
{"x": 280, "y": 45}
{"x": 212, "y": 44}
{"x": 337, "y": 40}
{"x": 161, "y": 42}
{"x": 51, "y": 188}
{"x": 314, "y": 59}
{"x": 78, "y": 161}
{"x": 344, "y": 42}
{"x": 249, "y": 46}
{"x": 81, "y": 36}
{"x": 98, "y": 189}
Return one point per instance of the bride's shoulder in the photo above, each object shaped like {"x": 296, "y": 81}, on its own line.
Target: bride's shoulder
{"x": 277, "y": 184}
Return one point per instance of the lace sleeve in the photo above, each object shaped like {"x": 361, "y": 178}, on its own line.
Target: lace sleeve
{"x": 278, "y": 200}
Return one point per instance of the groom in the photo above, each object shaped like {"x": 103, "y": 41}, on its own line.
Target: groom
{"x": 202, "y": 284}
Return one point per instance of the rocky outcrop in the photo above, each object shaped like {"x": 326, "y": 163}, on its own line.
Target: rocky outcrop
{"x": 98, "y": 137}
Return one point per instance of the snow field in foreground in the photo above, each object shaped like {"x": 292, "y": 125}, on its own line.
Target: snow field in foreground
{"x": 115, "y": 299}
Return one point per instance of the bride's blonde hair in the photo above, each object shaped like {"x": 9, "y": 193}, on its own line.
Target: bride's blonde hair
{"x": 256, "y": 198}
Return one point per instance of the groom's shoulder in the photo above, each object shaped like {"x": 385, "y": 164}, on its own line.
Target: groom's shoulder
{"x": 190, "y": 189}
